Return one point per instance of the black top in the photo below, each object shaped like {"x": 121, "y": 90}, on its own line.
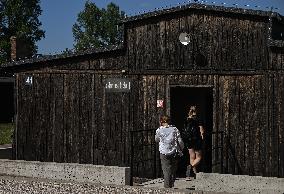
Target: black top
{"x": 191, "y": 129}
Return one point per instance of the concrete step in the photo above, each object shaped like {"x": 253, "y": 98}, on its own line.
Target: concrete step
{"x": 225, "y": 183}
{"x": 188, "y": 185}
{"x": 239, "y": 183}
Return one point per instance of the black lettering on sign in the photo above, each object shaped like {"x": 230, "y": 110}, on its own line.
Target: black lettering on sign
{"x": 117, "y": 85}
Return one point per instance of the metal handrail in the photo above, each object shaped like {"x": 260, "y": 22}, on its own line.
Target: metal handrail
{"x": 132, "y": 150}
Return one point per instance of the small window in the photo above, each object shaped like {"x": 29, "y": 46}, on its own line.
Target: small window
{"x": 277, "y": 29}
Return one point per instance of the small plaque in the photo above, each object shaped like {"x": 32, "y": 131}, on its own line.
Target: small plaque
{"x": 160, "y": 103}
{"x": 28, "y": 80}
{"x": 117, "y": 85}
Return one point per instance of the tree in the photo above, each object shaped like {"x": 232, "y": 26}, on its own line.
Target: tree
{"x": 19, "y": 18}
{"x": 97, "y": 27}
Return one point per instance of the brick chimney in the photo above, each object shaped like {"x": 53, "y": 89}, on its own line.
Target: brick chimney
{"x": 19, "y": 48}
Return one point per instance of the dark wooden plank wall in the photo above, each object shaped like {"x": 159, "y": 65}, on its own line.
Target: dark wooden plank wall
{"x": 279, "y": 120}
{"x": 69, "y": 118}
{"x": 225, "y": 42}
{"x": 116, "y": 126}
{"x": 277, "y": 59}
{"x": 250, "y": 114}
{"x": 57, "y": 117}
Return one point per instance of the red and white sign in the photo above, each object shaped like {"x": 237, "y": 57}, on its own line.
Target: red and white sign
{"x": 160, "y": 103}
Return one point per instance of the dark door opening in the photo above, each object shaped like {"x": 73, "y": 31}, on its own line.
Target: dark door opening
{"x": 180, "y": 100}
{"x": 6, "y": 102}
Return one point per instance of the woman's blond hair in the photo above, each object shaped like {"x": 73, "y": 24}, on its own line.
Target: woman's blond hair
{"x": 192, "y": 111}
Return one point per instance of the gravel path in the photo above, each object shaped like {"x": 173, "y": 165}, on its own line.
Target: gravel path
{"x": 23, "y": 185}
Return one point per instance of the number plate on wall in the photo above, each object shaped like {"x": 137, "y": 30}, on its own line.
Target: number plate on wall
{"x": 28, "y": 80}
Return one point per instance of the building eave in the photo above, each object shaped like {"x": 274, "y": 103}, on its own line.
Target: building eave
{"x": 196, "y": 6}
{"x": 68, "y": 55}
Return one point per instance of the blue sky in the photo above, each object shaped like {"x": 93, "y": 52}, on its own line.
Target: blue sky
{"x": 58, "y": 16}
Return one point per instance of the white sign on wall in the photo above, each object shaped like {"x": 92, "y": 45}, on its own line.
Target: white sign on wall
{"x": 160, "y": 103}
{"x": 117, "y": 85}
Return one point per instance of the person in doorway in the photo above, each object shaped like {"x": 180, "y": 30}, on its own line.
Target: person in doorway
{"x": 193, "y": 135}
{"x": 170, "y": 148}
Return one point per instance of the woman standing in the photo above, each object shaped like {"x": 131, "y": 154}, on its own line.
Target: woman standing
{"x": 170, "y": 147}
{"x": 193, "y": 136}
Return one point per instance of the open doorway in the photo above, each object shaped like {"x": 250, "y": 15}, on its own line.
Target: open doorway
{"x": 180, "y": 100}
{"x": 6, "y": 101}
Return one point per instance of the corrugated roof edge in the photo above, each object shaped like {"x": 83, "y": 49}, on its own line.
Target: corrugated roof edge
{"x": 70, "y": 54}
{"x": 203, "y": 7}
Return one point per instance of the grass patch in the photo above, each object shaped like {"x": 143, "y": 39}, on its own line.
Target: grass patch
{"x": 6, "y": 131}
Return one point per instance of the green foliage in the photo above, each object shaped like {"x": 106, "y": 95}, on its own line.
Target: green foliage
{"x": 97, "y": 27}
{"x": 6, "y": 131}
{"x": 19, "y": 18}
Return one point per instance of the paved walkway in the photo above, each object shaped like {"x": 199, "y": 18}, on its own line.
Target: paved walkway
{"x": 186, "y": 185}
{"x": 25, "y": 185}
{"x": 180, "y": 183}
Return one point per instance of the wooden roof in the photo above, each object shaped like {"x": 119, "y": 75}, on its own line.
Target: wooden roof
{"x": 181, "y": 8}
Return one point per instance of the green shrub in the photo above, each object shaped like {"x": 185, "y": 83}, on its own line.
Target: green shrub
{"x": 6, "y": 131}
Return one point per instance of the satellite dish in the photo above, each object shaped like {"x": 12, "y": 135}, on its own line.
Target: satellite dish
{"x": 184, "y": 38}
